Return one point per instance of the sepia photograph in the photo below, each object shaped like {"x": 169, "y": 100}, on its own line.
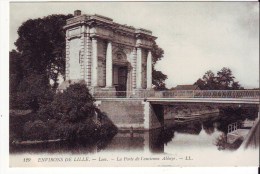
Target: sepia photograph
{"x": 133, "y": 84}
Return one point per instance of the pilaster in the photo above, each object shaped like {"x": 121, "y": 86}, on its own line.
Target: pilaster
{"x": 94, "y": 79}
{"x": 88, "y": 58}
{"x": 134, "y": 59}
{"x": 82, "y": 53}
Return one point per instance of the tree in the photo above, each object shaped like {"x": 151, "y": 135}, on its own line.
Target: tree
{"x": 40, "y": 57}
{"x": 74, "y": 104}
{"x": 236, "y": 85}
{"x": 73, "y": 114}
{"x": 201, "y": 83}
{"x": 15, "y": 69}
{"x": 32, "y": 92}
{"x": 36, "y": 130}
{"x": 208, "y": 76}
{"x": 158, "y": 78}
{"x": 41, "y": 43}
{"x": 15, "y": 75}
{"x": 210, "y": 80}
{"x": 225, "y": 78}
{"x": 223, "y": 81}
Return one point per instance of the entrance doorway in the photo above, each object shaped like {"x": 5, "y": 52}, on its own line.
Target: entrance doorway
{"x": 120, "y": 79}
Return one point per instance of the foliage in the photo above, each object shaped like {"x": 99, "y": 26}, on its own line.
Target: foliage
{"x": 32, "y": 92}
{"x": 158, "y": 78}
{"x": 41, "y": 43}
{"x": 69, "y": 115}
{"x": 15, "y": 70}
{"x": 74, "y": 104}
{"x": 222, "y": 143}
{"x": 157, "y": 53}
{"x": 40, "y": 56}
{"x": 224, "y": 80}
{"x": 16, "y": 125}
{"x": 16, "y": 75}
{"x": 108, "y": 129}
{"x": 71, "y": 112}
{"x": 37, "y": 130}
{"x": 87, "y": 129}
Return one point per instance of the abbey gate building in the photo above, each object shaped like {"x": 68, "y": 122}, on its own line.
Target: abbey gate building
{"x": 115, "y": 63}
{"x": 106, "y": 55}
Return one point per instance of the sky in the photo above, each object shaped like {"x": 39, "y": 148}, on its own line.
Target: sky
{"x": 195, "y": 36}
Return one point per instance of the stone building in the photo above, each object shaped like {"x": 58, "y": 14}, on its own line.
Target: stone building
{"x": 107, "y": 55}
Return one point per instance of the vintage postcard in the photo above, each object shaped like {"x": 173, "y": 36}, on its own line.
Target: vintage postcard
{"x": 133, "y": 84}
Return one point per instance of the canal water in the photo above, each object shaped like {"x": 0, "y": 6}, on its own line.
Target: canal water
{"x": 185, "y": 140}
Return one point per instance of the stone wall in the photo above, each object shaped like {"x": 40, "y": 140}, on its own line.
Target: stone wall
{"x": 75, "y": 59}
{"x": 127, "y": 114}
{"x": 124, "y": 114}
{"x": 153, "y": 116}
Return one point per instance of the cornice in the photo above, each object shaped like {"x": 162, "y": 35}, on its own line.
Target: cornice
{"x": 105, "y": 22}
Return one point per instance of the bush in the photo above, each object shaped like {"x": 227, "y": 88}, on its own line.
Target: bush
{"x": 31, "y": 93}
{"x": 37, "y": 130}
{"x": 88, "y": 129}
{"x": 64, "y": 131}
{"x": 107, "y": 127}
{"x": 16, "y": 124}
{"x": 75, "y": 103}
{"x": 46, "y": 113}
{"x": 70, "y": 115}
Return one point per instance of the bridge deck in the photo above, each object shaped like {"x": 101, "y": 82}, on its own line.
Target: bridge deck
{"x": 189, "y": 96}
{"x": 205, "y": 100}
{"x": 188, "y": 100}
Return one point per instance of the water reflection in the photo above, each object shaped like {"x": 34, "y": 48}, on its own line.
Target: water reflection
{"x": 209, "y": 127}
{"x": 77, "y": 146}
{"x": 203, "y": 133}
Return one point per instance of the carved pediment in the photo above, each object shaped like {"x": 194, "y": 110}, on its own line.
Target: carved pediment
{"x": 120, "y": 58}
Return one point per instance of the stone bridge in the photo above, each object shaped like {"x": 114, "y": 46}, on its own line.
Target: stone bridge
{"x": 147, "y": 109}
{"x": 231, "y": 94}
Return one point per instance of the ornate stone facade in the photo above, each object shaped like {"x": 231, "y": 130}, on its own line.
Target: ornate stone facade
{"x": 108, "y": 55}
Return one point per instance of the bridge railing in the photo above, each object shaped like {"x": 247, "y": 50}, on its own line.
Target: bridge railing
{"x": 110, "y": 94}
{"x": 179, "y": 94}
{"x": 211, "y": 94}
{"x": 233, "y": 127}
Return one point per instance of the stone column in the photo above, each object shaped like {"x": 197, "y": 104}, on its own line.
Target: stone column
{"x": 82, "y": 55}
{"x": 149, "y": 70}
{"x": 139, "y": 69}
{"x": 94, "y": 79}
{"x": 109, "y": 65}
